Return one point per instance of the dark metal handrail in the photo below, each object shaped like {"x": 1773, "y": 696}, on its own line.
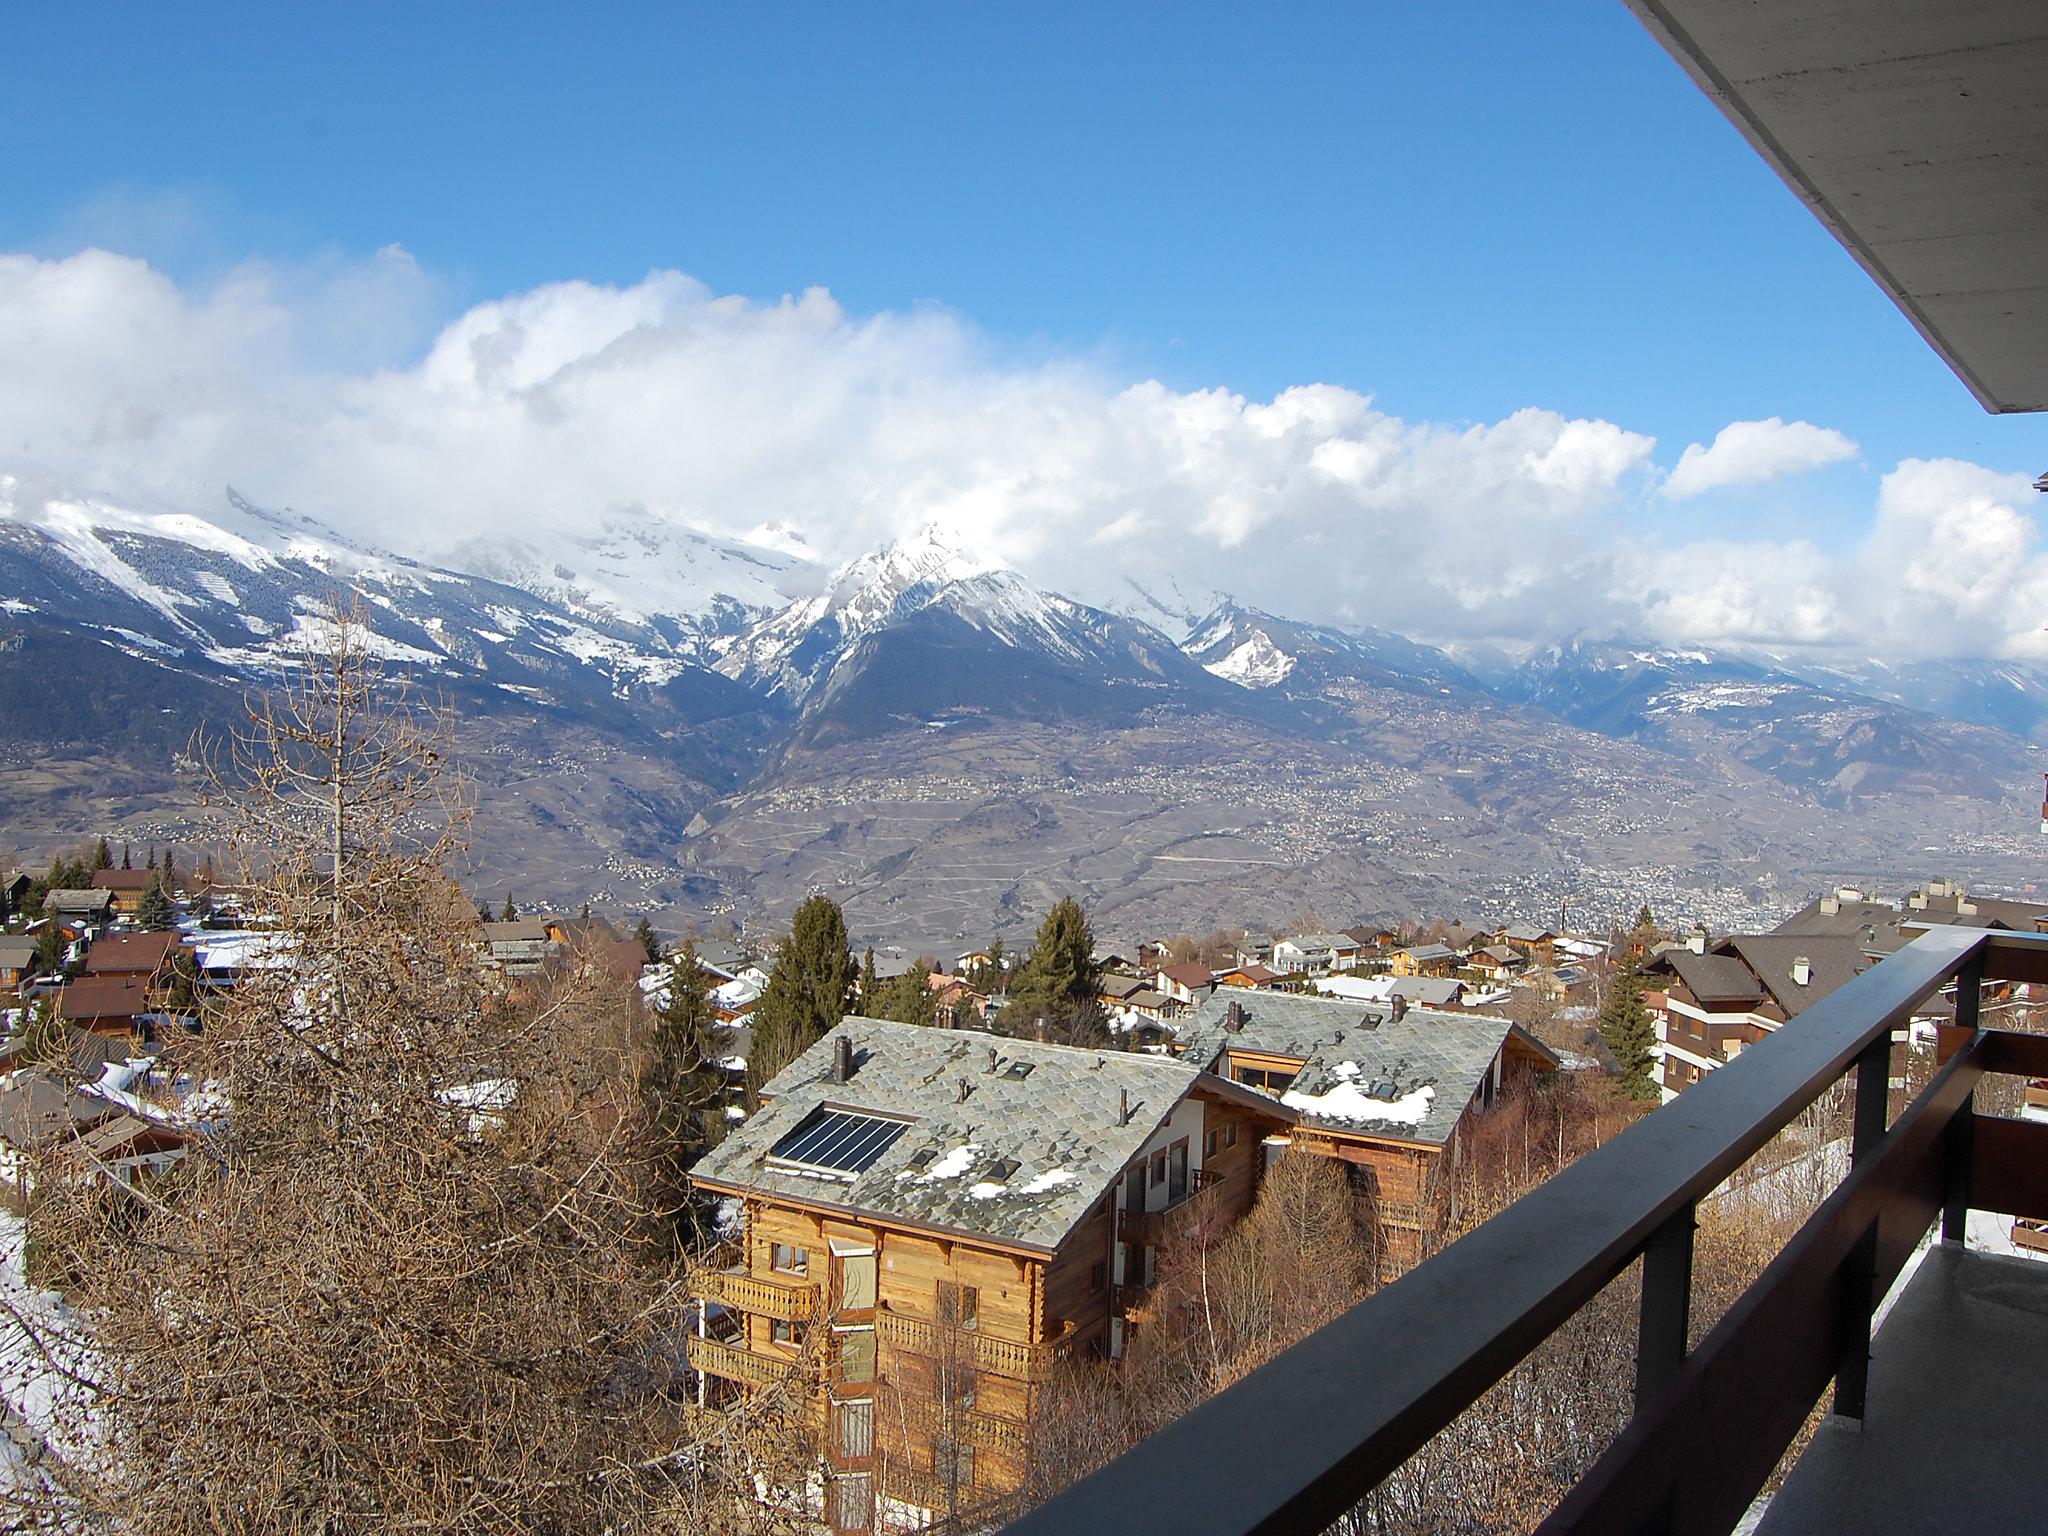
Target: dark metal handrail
{"x": 1297, "y": 1442}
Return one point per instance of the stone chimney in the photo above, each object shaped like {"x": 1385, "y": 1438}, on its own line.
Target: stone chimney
{"x": 1802, "y": 972}
{"x": 1696, "y": 941}
{"x": 842, "y": 1058}
{"x": 1830, "y": 905}
{"x": 1233, "y": 1016}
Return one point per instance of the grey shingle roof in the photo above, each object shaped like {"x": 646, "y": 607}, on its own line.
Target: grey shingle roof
{"x": 1831, "y": 962}
{"x": 1058, "y": 1122}
{"x": 1712, "y": 978}
{"x": 1350, "y": 1042}
{"x": 1309, "y": 943}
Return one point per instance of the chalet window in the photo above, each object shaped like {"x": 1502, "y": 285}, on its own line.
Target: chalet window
{"x": 1209, "y": 1143}
{"x": 1158, "y": 1169}
{"x": 952, "y": 1463}
{"x": 856, "y": 1353}
{"x": 853, "y": 1502}
{"x": 1134, "y": 1189}
{"x": 1230, "y": 1134}
{"x": 1098, "y": 1277}
{"x": 959, "y": 1305}
{"x": 782, "y": 1331}
{"x": 789, "y": 1260}
{"x": 853, "y": 1429}
{"x": 1177, "y": 1171}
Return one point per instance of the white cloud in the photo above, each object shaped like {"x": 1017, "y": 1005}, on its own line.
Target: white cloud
{"x": 795, "y": 424}
{"x": 1749, "y": 452}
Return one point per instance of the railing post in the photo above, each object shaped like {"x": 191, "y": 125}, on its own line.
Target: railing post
{"x": 1955, "y": 1205}
{"x": 1665, "y": 1321}
{"x": 1859, "y": 1269}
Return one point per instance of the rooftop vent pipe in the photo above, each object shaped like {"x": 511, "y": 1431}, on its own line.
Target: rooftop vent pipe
{"x": 842, "y": 1059}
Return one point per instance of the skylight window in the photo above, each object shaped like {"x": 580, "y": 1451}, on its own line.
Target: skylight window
{"x": 836, "y": 1143}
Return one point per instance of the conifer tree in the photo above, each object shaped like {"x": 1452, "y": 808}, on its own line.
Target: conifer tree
{"x": 683, "y": 1089}
{"x": 155, "y": 912}
{"x": 810, "y": 989}
{"x": 1059, "y": 981}
{"x": 870, "y": 986}
{"x": 1625, "y": 1026}
{"x": 1643, "y": 918}
{"x": 509, "y": 913}
{"x": 103, "y": 856}
{"x": 152, "y": 857}
{"x": 908, "y": 999}
{"x": 643, "y": 930}
{"x": 127, "y": 859}
{"x": 168, "y": 876}
{"x": 51, "y": 947}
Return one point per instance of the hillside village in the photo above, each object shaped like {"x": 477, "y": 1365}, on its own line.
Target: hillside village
{"x": 978, "y": 1172}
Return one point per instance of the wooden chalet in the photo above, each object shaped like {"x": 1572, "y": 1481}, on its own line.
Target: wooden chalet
{"x": 1531, "y": 939}
{"x": 118, "y": 1006}
{"x": 931, "y": 1221}
{"x": 1387, "y": 1089}
{"x": 17, "y": 959}
{"x": 1496, "y": 962}
{"x": 86, "y": 907}
{"x": 1187, "y": 983}
{"x": 1425, "y": 960}
{"x": 124, "y": 887}
{"x": 1253, "y": 976}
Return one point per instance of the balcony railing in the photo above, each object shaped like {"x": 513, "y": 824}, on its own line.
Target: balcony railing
{"x": 1149, "y": 1229}
{"x": 1298, "y": 1442}
{"x": 741, "y": 1365}
{"x": 792, "y": 1301}
{"x": 1005, "y": 1357}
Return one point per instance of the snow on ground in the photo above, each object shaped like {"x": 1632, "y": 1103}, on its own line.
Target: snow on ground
{"x": 41, "y": 1408}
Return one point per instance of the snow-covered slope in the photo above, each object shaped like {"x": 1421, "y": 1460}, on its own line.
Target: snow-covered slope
{"x": 1264, "y": 651}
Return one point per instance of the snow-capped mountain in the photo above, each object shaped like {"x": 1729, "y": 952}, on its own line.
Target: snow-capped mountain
{"x": 1263, "y": 651}
{"x": 922, "y": 630}
{"x": 632, "y": 566}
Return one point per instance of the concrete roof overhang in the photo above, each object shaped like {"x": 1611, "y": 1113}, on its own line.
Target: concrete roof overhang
{"x": 1916, "y": 131}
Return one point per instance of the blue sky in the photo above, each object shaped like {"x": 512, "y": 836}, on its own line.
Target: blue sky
{"x": 1461, "y": 211}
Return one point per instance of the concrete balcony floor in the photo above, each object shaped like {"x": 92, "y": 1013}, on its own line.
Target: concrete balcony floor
{"x": 1957, "y": 1412}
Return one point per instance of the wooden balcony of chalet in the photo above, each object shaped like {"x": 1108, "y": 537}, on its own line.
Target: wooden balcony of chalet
{"x": 1149, "y": 1229}
{"x": 790, "y": 1301}
{"x": 1004, "y": 1357}
{"x": 1937, "y": 1413}
{"x": 714, "y": 1357}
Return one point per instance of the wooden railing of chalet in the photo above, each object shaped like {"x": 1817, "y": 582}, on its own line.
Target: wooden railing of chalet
{"x": 1005, "y": 1357}
{"x": 793, "y": 1301}
{"x": 978, "y": 1507}
{"x": 741, "y": 1365}
{"x": 1149, "y": 1229}
{"x": 1298, "y": 1442}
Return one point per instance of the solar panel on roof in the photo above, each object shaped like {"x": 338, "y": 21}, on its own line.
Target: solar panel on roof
{"x": 836, "y": 1142}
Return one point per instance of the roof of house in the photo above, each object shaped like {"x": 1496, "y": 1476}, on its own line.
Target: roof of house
{"x": 1367, "y": 933}
{"x": 103, "y": 997}
{"x": 16, "y": 952}
{"x": 1528, "y": 933}
{"x": 1115, "y": 986}
{"x": 1429, "y": 991}
{"x": 1427, "y": 1064}
{"x": 1500, "y": 954}
{"x": 1430, "y": 952}
{"x": 520, "y": 930}
{"x": 68, "y": 899}
{"x": 129, "y": 953}
{"x": 1308, "y": 942}
{"x": 1254, "y": 972}
{"x": 36, "y": 1106}
{"x": 888, "y": 968}
{"x": 124, "y": 880}
{"x": 1190, "y": 974}
{"x": 1830, "y": 963}
{"x": 1711, "y": 978}
{"x": 1054, "y": 1111}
